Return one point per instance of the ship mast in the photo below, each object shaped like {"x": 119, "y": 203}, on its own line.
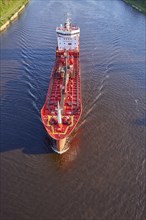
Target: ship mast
{"x": 67, "y": 23}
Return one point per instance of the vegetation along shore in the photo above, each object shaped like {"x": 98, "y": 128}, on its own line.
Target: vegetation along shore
{"x": 138, "y": 4}
{"x": 10, "y": 9}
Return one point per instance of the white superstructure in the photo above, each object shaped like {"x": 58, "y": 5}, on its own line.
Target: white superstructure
{"x": 68, "y": 36}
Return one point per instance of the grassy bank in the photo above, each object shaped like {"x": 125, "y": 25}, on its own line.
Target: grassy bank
{"x": 8, "y": 8}
{"x": 138, "y": 4}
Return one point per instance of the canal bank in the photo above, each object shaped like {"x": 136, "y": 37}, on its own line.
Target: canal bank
{"x": 139, "y": 5}
{"x": 10, "y": 11}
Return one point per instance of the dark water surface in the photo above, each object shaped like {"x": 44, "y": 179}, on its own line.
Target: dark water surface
{"x": 101, "y": 177}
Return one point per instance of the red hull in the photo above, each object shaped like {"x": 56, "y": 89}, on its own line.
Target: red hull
{"x": 64, "y": 88}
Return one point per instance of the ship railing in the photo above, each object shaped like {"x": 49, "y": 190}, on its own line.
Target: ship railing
{"x": 51, "y": 84}
{"x": 77, "y": 82}
{"x": 66, "y": 29}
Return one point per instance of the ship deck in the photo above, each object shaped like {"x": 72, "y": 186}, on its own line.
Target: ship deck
{"x": 70, "y": 101}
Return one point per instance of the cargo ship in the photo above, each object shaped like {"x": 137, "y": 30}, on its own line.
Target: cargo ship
{"x": 63, "y": 106}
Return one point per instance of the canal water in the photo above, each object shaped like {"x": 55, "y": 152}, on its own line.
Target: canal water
{"x": 102, "y": 176}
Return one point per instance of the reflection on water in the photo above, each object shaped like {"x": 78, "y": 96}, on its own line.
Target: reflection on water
{"x": 63, "y": 161}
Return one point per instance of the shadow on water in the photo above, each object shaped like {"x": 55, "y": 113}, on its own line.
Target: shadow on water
{"x": 27, "y": 144}
{"x": 23, "y": 94}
